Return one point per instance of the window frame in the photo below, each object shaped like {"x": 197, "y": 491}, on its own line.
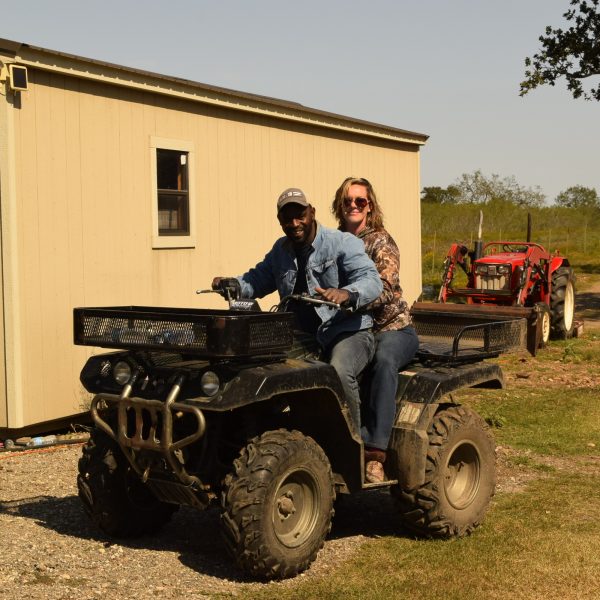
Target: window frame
{"x": 173, "y": 241}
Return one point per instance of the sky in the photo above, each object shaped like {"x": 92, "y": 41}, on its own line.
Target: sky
{"x": 446, "y": 68}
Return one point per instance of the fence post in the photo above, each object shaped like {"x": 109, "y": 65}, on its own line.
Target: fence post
{"x": 433, "y": 253}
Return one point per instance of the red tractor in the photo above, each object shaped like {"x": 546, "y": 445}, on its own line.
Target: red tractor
{"x": 514, "y": 279}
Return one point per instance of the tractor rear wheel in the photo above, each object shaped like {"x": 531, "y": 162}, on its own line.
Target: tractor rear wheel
{"x": 460, "y": 477}
{"x": 562, "y": 303}
{"x": 277, "y": 504}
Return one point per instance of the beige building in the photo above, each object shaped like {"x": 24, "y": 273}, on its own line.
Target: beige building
{"x": 122, "y": 187}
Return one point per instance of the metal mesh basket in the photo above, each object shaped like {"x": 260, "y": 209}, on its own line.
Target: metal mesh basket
{"x": 209, "y": 333}
{"x": 459, "y": 338}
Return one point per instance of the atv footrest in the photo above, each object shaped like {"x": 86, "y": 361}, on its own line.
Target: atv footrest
{"x": 177, "y": 493}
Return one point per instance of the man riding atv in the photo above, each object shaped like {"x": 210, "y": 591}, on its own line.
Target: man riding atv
{"x": 316, "y": 260}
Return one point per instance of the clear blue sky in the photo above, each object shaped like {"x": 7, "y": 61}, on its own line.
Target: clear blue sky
{"x": 447, "y": 68}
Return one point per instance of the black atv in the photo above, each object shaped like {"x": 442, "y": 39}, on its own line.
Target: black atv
{"x": 200, "y": 407}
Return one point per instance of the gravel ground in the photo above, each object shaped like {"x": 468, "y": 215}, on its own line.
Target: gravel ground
{"x": 49, "y": 549}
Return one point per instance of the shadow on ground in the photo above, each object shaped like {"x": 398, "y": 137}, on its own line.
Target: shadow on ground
{"x": 195, "y": 535}
{"x": 587, "y": 305}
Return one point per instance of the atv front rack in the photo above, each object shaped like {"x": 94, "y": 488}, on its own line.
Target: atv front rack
{"x": 200, "y": 332}
{"x": 458, "y": 338}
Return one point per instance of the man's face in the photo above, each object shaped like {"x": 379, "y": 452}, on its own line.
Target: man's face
{"x": 298, "y": 223}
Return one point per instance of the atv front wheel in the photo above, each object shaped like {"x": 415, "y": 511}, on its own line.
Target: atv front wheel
{"x": 277, "y": 504}
{"x": 460, "y": 477}
{"x": 113, "y": 495}
{"x": 562, "y": 303}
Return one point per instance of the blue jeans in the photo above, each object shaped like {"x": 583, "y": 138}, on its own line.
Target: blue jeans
{"x": 349, "y": 354}
{"x": 395, "y": 349}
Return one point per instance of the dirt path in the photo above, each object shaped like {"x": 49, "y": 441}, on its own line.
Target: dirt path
{"x": 587, "y": 305}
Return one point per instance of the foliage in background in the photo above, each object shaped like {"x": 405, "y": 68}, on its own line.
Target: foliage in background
{"x": 477, "y": 188}
{"x": 570, "y": 53}
{"x": 578, "y": 196}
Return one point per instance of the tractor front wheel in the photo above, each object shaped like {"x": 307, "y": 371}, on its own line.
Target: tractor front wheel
{"x": 562, "y": 303}
{"x": 545, "y": 320}
{"x": 277, "y": 504}
{"x": 460, "y": 477}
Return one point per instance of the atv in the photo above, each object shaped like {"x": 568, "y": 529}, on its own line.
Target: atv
{"x": 205, "y": 407}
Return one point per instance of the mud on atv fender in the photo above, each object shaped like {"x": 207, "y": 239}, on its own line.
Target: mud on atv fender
{"x": 423, "y": 392}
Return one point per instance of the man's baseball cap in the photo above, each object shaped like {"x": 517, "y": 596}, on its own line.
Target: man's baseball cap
{"x": 291, "y": 196}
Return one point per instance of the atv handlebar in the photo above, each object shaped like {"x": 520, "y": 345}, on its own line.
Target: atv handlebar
{"x": 230, "y": 292}
{"x": 302, "y": 298}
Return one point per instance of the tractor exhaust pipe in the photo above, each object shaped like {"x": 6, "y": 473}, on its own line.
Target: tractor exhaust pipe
{"x": 528, "y": 227}
{"x": 478, "y": 250}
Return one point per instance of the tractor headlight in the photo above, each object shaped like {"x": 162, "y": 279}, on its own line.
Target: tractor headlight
{"x": 503, "y": 269}
{"x": 209, "y": 383}
{"x": 481, "y": 269}
{"x": 122, "y": 372}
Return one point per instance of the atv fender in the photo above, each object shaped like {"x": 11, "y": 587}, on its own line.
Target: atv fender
{"x": 419, "y": 398}
{"x": 310, "y": 395}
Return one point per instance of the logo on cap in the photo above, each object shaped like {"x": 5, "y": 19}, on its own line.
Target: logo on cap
{"x": 291, "y": 195}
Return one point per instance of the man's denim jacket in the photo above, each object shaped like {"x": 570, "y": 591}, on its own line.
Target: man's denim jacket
{"x": 338, "y": 261}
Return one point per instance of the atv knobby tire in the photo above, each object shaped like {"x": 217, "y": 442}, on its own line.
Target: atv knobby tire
{"x": 562, "y": 303}
{"x": 277, "y": 504}
{"x": 113, "y": 495}
{"x": 460, "y": 477}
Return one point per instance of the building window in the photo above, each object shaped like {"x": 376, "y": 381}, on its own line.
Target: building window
{"x": 172, "y": 193}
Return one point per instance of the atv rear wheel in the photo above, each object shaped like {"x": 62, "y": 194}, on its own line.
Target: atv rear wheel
{"x": 113, "y": 495}
{"x": 460, "y": 477}
{"x": 277, "y": 504}
{"x": 562, "y": 303}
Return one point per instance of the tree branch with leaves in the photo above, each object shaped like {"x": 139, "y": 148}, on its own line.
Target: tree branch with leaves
{"x": 572, "y": 54}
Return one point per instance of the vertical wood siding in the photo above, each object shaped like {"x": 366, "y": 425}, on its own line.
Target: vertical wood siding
{"x": 84, "y": 202}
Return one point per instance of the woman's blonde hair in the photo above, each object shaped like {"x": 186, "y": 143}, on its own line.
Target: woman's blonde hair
{"x": 374, "y": 218}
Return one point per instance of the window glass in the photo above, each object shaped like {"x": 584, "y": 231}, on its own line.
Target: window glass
{"x": 173, "y": 193}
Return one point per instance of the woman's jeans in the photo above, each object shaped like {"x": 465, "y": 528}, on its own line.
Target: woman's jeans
{"x": 394, "y": 350}
{"x": 349, "y": 354}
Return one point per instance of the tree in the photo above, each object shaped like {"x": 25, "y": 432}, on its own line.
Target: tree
{"x": 578, "y": 196}
{"x": 477, "y": 188}
{"x": 439, "y": 195}
{"x": 573, "y": 53}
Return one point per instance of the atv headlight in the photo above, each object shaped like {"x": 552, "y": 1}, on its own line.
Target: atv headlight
{"x": 209, "y": 383}
{"x": 122, "y": 372}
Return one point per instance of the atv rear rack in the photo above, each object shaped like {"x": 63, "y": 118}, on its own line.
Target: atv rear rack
{"x": 199, "y": 332}
{"x": 458, "y": 338}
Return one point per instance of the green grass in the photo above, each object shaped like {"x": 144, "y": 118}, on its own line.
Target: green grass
{"x": 541, "y": 543}
{"x": 556, "y": 422}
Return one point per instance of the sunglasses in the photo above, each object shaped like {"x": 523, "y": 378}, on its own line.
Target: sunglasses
{"x": 359, "y": 202}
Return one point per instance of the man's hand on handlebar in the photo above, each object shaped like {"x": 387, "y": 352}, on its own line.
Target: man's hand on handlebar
{"x": 336, "y": 295}
{"x": 228, "y": 287}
